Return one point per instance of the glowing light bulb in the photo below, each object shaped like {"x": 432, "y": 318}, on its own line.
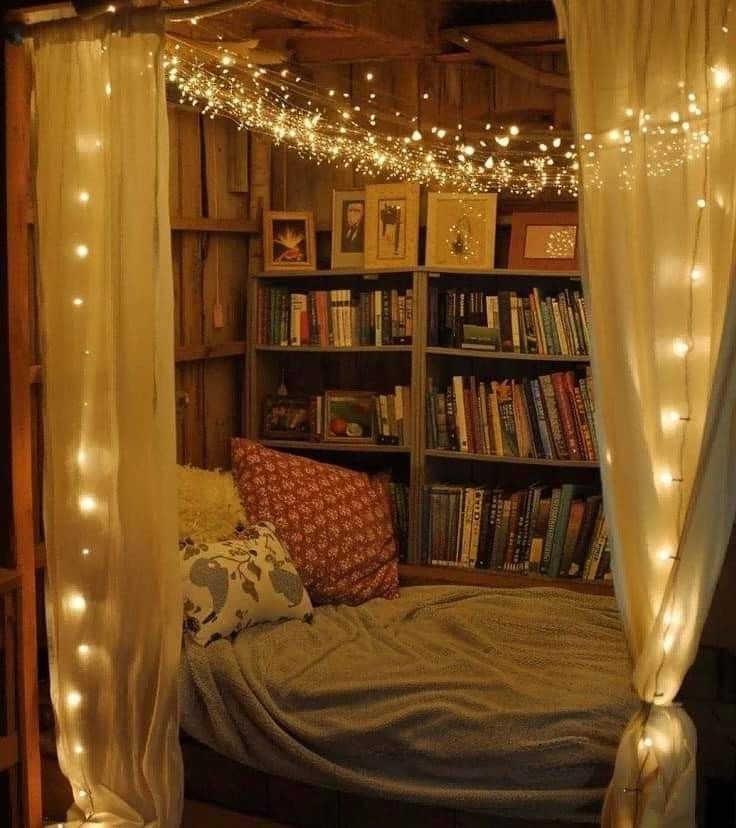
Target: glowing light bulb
{"x": 83, "y": 197}
{"x": 668, "y": 642}
{"x": 425, "y": 96}
{"x": 73, "y": 699}
{"x": 83, "y": 650}
{"x": 629, "y": 112}
{"x": 664, "y": 554}
{"x": 696, "y": 274}
{"x": 77, "y": 300}
{"x": 87, "y": 503}
{"x": 502, "y": 140}
{"x": 85, "y": 551}
{"x": 416, "y": 135}
{"x": 82, "y": 251}
{"x": 587, "y": 136}
{"x": 556, "y": 142}
{"x": 701, "y": 203}
{"x": 76, "y": 602}
{"x": 108, "y": 89}
{"x": 228, "y": 61}
{"x": 646, "y": 742}
{"x": 111, "y": 9}
{"x": 489, "y": 163}
{"x": 680, "y": 348}
{"x": 369, "y": 76}
{"x": 674, "y": 117}
{"x": 614, "y": 135}
{"x": 666, "y": 478}
{"x": 543, "y": 147}
{"x": 721, "y": 76}
{"x": 671, "y": 618}
{"x": 704, "y": 138}
{"x": 513, "y": 129}
{"x": 78, "y": 749}
{"x": 441, "y": 132}
{"x": 468, "y": 149}
{"x": 81, "y": 794}
{"x": 670, "y": 418}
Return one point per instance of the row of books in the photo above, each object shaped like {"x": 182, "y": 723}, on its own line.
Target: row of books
{"x": 393, "y": 415}
{"x": 557, "y": 531}
{"x": 398, "y": 494}
{"x": 343, "y": 318}
{"x": 551, "y": 416}
{"x": 532, "y": 324}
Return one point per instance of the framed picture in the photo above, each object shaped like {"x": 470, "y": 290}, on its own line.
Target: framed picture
{"x": 349, "y": 417}
{"x": 461, "y": 230}
{"x": 544, "y": 241}
{"x": 348, "y": 228}
{"x": 288, "y": 241}
{"x": 391, "y": 225}
{"x": 286, "y": 418}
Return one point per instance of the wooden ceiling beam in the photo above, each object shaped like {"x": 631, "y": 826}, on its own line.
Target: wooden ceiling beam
{"x": 411, "y": 22}
{"x": 501, "y": 60}
{"x": 301, "y": 32}
{"x": 507, "y": 34}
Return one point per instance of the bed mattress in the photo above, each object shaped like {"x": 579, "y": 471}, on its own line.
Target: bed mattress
{"x": 505, "y": 701}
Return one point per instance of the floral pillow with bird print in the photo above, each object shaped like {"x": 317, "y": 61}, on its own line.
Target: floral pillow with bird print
{"x": 233, "y": 584}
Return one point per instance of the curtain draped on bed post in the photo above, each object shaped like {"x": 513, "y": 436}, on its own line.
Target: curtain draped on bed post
{"x": 654, "y": 85}
{"x": 106, "y": 324}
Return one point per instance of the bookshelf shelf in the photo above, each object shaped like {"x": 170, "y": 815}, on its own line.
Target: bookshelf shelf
{"x": 507, "y": 355}
{"x": 310, "y": 445}
{"x": 301, "y": 274}
{"x": 423, "y": 574}
{"x": 514, "y": 461}
{"x": 573, "y": 275}
{"x": 336, "y": 349}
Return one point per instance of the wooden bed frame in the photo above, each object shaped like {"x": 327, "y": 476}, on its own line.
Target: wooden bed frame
{"x": 210, "y": 777}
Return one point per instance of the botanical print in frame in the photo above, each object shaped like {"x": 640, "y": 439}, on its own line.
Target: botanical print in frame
{"x": 544, "y": 241}
{"x": 288, "y": 241}
{"x": 349, "y": 417}
{"x": 348, "y": 228}
{"x": 461, "y": 230}
{"x": 392, "y": 225}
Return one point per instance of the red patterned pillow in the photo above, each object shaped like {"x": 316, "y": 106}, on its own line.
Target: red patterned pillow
{"x": 336, "y": 523}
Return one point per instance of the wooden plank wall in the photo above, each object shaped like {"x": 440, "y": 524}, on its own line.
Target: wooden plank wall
{"x": 209, "y": 180}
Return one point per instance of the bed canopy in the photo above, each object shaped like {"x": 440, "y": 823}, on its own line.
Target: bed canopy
{"x": 654, "y": 95}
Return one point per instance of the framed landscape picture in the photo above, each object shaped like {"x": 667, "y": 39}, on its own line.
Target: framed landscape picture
{"x": 288, "y": 241}
{"x": 348, "y": 228}
{"x": 391, "y": 225}
{"x": 349, "y": 417}
{"x": 544, "y": 241}
{"x": 461, "y": 230}
{"x": 286, "y": 418}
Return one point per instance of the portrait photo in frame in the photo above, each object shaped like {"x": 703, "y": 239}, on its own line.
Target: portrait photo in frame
{"x": 544, "y": 241}
{"x": 288, "y": 241}
{"x": 286, "y": 418}
{"x": 391, "y": 225}
{"x": 348, "y": 228}
{"x": 461, "y": 230}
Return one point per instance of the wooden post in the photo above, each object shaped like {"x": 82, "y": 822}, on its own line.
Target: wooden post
{"x": 18, "y": 183}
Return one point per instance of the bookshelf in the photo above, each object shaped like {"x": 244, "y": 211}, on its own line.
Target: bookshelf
{"x": 311, "y": 369}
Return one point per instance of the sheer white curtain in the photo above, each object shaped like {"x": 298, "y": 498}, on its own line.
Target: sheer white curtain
{"x": 653, "y": 92}
{"x": 106, "y": 317}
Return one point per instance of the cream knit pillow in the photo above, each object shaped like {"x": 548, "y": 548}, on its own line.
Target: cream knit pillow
{"x": 209, "y": 505}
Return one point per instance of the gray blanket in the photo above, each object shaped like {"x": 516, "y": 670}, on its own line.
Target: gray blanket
{"x": 510, "y": 701}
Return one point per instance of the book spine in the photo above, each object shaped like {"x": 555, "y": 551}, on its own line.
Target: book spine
{"x": 539, "y": 324}
{"x": 475, "y": 416}
{"x": 505, "y": 325}
{"x": 386, "y": 317}
{"x": 378, "y": 316}
{"x": 499, "y": 543}
{"x": 544, "y": 434}
{"x": 460, "y": 414}
{"x": 554, "y": 513}
{"x": 513, "y": 528}
{"x": 559, "y": 327}
{"x": 550, "y": 327}
{"x": 553, "y": 417}
{"x": 566, "y": 416}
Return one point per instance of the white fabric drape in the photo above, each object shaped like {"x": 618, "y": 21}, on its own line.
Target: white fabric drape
{"x": 653, "y": 94}
{"x": 106, "y": 318}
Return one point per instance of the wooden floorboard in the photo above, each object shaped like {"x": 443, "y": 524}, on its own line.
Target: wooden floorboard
{"x": 199, "y": 814}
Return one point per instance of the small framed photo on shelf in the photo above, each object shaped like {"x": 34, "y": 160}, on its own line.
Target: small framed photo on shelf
{"x": 349, "y": 417}
{"x": 348, "y": 228}
{"x": 391, "y": 225}
{"x": 288, "y": 241}
{"x": 544, "y": 241}
{"x": 461, "y": 230}
{"x": 286, "y": 418}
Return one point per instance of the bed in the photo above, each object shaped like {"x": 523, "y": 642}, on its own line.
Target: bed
{"x": 508, "y": 702}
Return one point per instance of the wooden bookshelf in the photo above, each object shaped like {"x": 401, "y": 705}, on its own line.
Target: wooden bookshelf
{"x": 311, "y": 369}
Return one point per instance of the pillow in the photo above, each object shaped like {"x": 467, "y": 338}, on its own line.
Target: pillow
{"x": 232, "y": 585}
{"x": 209, "y": 504}
{"x": 336, "y": 522}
